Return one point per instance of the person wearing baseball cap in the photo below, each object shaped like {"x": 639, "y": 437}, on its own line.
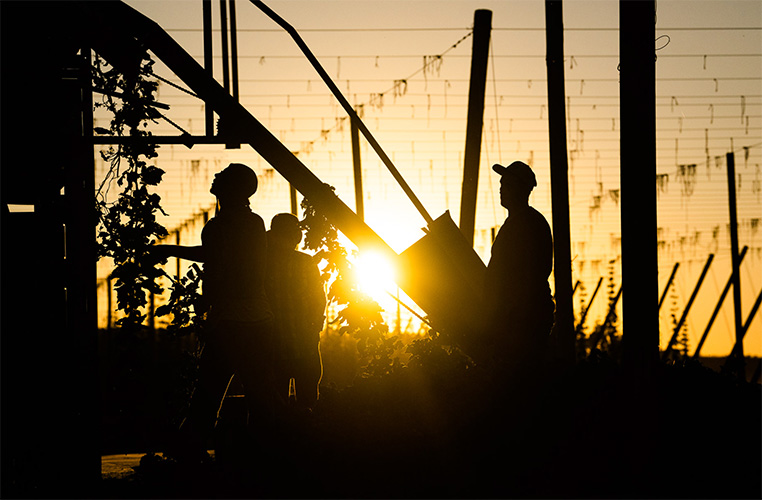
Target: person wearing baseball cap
{"x": 239, "y": 324}
{"x": 519, "y": 306}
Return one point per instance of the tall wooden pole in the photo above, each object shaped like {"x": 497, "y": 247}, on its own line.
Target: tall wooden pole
{"x": 475, "y": 122}
{"x": 640, "y": 264}
{"x": 563, "y": 331}
{"x": 81, "y": 376}
{"x": 233, "y": 50}
{"x": 736, "y": 262}
{"x": 178, "y": 260}
{"x": 233, "y": 64}
{"x": 224, "y": 46}
{"x": 357, "y": 168}
{"x": 208, "y": 62}
{"x": 292, "y": 196}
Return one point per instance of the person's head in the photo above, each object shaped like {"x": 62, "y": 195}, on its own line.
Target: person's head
{"x": 236, "y": 183}
{"x": 285, "y": 230}
{"x": 516, "y": 182}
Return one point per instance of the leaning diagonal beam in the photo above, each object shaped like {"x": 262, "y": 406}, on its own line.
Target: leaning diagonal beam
{"x": 687, "y": 309}
{"x": 718, "y": 306}
{"x": 347, "y": 108}
{"x": 248, "y": 129}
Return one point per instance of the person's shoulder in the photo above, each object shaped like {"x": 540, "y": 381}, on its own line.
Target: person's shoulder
{"x": 536, "y": 214}
{"x": 539, "y": 221}
{"x": 210, "y": 226}
{"x": 304, "y": 258}
{"x": 254, "y": 219}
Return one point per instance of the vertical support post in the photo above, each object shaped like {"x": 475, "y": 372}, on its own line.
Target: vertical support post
{"x": 208, "y": 62}
{"x": 640, "y": 263}
{"x": 475, "y": 122}
{"x": 669, "y": 282}
{"x": 718, "y": 306}
{"x": 736, "y": 262}
{"x": 80, "y": 282}
{"x": 224, "y": 40}
{"x": 292, "y": 195}
{"x": 109, "y": 299}
{"x": 233, "y": 51}
{"x": 233, "y": 64}
{"x": 688, "y": 306}
{"x": 177, "y": 259}
{"x": 563, "y": 330}
{"x": 357, "y": 167}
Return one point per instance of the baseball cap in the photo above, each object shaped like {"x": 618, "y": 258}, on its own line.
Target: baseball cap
{"x": 519, "y": 170}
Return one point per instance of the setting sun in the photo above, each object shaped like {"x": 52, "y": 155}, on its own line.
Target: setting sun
{"x": 375, "y": 275}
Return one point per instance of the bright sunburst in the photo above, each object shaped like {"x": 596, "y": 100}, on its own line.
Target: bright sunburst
{"x": 375, "y": 275}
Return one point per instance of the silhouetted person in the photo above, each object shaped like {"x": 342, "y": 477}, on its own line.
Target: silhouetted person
{"x": 519, "y": 305}
{"x": 238, "y": 336}
{"x": 296, "y": 294}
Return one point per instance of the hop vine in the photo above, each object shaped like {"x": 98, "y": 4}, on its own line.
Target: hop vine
{"x": 358, "y": 314}
{"x": 127, "y": 226}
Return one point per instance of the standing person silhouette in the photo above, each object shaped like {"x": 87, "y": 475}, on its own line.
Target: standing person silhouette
{"x": 296, "y": 293}
{"x": 520, "y": 307}
{"x": 238, "y": 336}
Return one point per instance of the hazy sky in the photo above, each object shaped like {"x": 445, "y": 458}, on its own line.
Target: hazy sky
{"x": 709, "y": 88}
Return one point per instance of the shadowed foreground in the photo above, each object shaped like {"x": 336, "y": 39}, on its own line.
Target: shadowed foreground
{"x": 445, "y": 432}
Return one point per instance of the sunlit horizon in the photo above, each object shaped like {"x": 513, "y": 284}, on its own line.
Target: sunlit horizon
{"x": 708, "y": 103}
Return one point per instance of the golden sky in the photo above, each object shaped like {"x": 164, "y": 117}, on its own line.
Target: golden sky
{"x": 709, "y": 102}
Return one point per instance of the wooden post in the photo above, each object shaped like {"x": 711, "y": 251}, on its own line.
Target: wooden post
{"x": 233, "y": 51}
{"x": 233, "y": 65}
{"x": 687, "y": 309}
{"x": 640, "y": 263}
{"x": 735, "y": 260}
{"x": 208, "y": 62}
{"x": 81, "y": 378}
{"x": 357, "y": 168}
{"x": 177, "y": 259}
{"x": 475, "y": 121}
{"x": 669, "y": 282}
{"x": 292, "y": 195}
{"x": 718, "y": 306}
{"x": 109, "y": 300}
{"x": 224, "y": 40}
{"x": 563, "y": 330}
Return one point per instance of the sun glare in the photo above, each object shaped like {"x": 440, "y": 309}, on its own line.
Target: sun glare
{"x": 375, "y": 275}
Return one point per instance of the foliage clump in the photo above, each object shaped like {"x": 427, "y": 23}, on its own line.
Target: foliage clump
{"x": 358, "y": 314}
{"x": 128, "y": 226}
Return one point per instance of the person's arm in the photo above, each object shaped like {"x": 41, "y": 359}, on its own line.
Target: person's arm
{"x": 194, "y": 253}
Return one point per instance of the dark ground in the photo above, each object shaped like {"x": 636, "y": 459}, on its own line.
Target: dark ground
{"x": 446, "y": 433}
